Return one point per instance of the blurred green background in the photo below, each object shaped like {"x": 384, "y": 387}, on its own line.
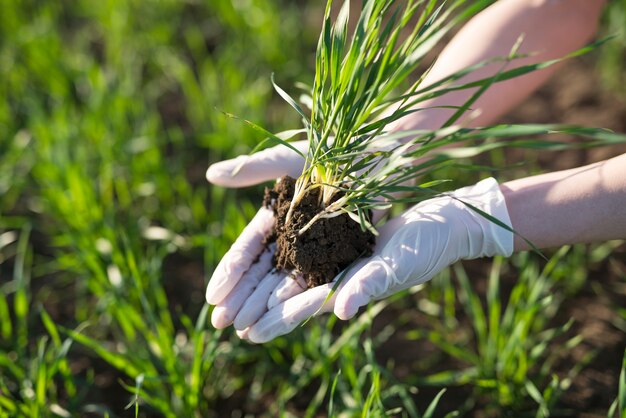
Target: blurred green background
{"x": 108, "y": 234}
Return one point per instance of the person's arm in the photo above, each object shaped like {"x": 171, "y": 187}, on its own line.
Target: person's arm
{"x": 585, "y": 204}
{"x": 551, "y": 29}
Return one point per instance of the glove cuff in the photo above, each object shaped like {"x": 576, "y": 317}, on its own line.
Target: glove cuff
{"x": 486, "y": 196}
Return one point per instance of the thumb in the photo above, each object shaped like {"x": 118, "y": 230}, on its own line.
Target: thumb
{"x": 262, "y": 166}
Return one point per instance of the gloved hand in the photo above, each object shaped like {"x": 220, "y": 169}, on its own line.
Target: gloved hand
{"x": 244, "y": 271}
{"x": 243, "y": 267}
{"x": 238, "y": 275}
{"x": 410, "y": 250}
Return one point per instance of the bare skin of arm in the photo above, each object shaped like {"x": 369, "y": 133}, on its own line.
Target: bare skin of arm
{"x": 551, "y": 29}
{"x": 581, "y": 205}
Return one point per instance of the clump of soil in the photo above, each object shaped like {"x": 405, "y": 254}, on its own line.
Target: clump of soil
{"x": 322, "y": 251}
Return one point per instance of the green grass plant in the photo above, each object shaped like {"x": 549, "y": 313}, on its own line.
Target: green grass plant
{"x": 611, "y": 61}
{"x": 30, "y": 360}
{"x": 618, "y": 407}
{"x": 512, "y": 348}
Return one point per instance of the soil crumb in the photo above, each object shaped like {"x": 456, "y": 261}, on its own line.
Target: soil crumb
{"x": 322, "y": 251}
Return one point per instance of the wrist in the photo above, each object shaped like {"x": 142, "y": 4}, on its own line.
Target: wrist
{"x": 486, "y": 219}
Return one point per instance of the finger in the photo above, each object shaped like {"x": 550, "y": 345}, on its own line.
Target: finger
{"x": 225, "y": 312}
{"x": 256, "y": 305}
{"x": 287, "y": 288}
{"x": 240, "y": 256}
{"x": 259, "y": 167}
{"x": 283, "y": 318}
{"x": 369, "y": 282}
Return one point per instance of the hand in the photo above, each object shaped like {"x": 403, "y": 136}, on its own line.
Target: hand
{"x": 245, "y": 272}
{"x": 410, "y": 250}
{"x": 237, "y": 275}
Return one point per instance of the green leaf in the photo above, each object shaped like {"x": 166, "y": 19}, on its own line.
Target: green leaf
{"x": 290, "y": 100}
{"x": 51, "y": 328}
{"x": 6, "y": 327}
{"x": 333, "y": 388}
{"x": 270, "y": 136}
{"x": 430, "y": 411}
{"x": 118, "y": 361}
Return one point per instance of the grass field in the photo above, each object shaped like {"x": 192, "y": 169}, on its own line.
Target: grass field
{"x": 108, "y": 233}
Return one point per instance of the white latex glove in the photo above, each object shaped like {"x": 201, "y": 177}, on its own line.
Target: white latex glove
{"x": 237, "y": 275}
{"x": 410, "y": 250}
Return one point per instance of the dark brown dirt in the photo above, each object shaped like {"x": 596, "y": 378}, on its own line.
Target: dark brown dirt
{"x": 322, "y": 251}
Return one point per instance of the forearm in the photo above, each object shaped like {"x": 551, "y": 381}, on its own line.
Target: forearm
{"x": 551, "y": 28}
{"x": 585, "y": 204}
